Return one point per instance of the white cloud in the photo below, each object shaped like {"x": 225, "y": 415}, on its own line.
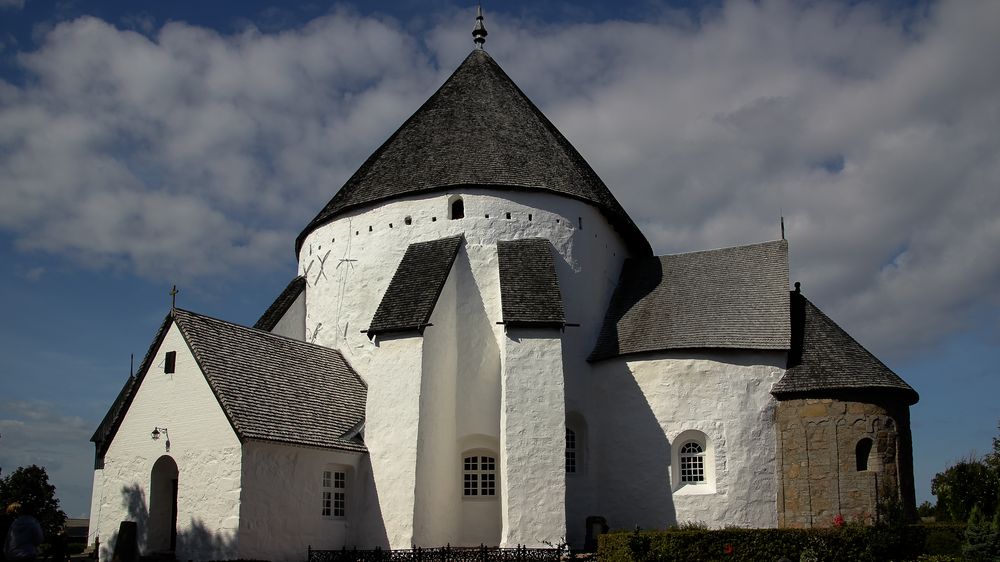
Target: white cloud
{"x": 34, "y": 432}
{"x": 194, "y": 152}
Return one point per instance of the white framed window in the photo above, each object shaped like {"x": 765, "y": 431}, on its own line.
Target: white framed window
{"x": 570, "y": 451}
{"x": 692, "y": 464}
{"x": 334, "y": 495}
{"x": 479, "y": 475}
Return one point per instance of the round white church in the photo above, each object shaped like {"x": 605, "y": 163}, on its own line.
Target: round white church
{"x": 480, "y": 347}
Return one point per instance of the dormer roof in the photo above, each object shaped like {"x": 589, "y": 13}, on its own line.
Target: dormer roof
{"x": 478, "y": 130}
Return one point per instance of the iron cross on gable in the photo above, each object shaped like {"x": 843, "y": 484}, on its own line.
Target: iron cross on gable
{"x": 173, "y": 296}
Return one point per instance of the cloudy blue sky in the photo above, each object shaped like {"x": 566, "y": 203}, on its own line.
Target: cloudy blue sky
{"x": 149, "y": 143}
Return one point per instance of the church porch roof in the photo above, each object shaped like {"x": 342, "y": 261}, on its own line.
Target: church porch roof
{"x": 270, "y": 387}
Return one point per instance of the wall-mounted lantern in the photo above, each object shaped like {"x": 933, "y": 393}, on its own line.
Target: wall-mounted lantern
{"x": 156, "y": 435}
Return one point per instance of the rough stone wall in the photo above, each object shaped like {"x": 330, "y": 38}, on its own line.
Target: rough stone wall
{"x": 202, "y": 443}
{"x": 818, "y": 468}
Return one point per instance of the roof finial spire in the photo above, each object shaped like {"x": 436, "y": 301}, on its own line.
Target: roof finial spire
{"x": 479, "y": 32}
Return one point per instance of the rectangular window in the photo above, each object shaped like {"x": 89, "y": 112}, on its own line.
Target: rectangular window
{"x": 570, "y": 450}
{"x": 472, "y": 484}
{"x": 170, "y": 362}
{"x": 327, "y": 503}
{"x": 479, "y": 478}
{"x": 339, "y": 494}
{"x": 334, "y": 493}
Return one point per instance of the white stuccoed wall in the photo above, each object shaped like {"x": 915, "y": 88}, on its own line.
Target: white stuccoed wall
{"x": 203, "y": 445}
{"x": 293, "y": 323}
{"x": 341, "y": 301}
{"x": 281, "y": 513}
{"x": 392, "y": 422}
{"x": 436, "y": 511}
{"x": 462, "y": 358}
{"x": 532, "y": 432}
{"x": 651, "y": 400}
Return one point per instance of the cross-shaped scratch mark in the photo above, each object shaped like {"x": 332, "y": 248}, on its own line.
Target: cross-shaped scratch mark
{"x": 322, "y": 266}
{"x": 308, "y": 267}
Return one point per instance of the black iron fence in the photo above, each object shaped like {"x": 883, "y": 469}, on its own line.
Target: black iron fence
{"x": 443, "y": 554}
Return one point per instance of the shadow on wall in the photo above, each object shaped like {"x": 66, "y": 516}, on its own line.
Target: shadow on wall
{"x": 195, "y": 542}
{"x": 638, "y": 278}
{"x": 134, "y": 502}
{"x": 635, "y": 488}
{"x": 376, "y": 535}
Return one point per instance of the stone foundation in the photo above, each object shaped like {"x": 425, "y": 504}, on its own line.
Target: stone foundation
{"x": 826, "y": 467}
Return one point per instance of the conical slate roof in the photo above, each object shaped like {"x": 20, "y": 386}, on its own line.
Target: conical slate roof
{"x": 477, "y": 130}
{"x": 824, "y": 359}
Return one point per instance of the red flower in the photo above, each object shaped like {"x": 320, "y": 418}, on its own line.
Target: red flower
{"x": 838, "y": 520}
{"x": 728, "y": 549}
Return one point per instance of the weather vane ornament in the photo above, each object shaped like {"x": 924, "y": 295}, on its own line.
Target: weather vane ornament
{"x": 479, "y": 33}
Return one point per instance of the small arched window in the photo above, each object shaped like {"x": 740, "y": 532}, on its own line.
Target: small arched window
{"x": 692, "y": 463}
{"x": 570, "y": 450}
{"x": 457, "y": 208}
{"x": 862, "y": 452}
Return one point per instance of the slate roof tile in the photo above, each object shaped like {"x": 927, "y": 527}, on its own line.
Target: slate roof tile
{"x": 270, "y": 387}
{"x": 732, "y": 298}
{"x": 529, "y": 287}
{"x": 415, "y": 286}
{"x": 826, "y": 358}
{"x": 480, "y": 130}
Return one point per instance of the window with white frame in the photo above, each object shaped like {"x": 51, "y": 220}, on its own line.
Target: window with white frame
{"x": 692, "y": 464}
{"x": 334, "y": 493}
{"x": 479, "y": 476}
{"x": 570, "y": 451}
{"x": 692, "y": 459}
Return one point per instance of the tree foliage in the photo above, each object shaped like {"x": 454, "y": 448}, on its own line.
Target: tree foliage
{"x": 970, "y": 484}
{"x": 29, "y": 486}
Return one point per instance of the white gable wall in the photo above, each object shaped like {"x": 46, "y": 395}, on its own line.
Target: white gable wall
{"x": 652, "y": 402}
{"x": 202, "y": 443}
{"x": 293, "y": 322}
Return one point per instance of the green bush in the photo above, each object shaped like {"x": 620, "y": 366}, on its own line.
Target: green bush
{"x": 851, "y": 542}
{"x": 944, "y": 538}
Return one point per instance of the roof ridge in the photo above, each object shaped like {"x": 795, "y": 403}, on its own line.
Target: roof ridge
{"x": 723, "y": 248}
{"x": 258, "y": 331}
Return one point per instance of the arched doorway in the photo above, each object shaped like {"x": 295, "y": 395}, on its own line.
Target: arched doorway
{"x": 162, "y": 532}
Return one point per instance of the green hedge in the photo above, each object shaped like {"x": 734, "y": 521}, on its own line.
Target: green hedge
{"x": 852, "y": 542}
